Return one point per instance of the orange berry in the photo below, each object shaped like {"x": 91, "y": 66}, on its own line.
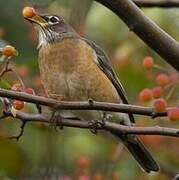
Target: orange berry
{"x": 18, "y": 105}
{"x": 97, "y": 177}
{"x": 162, "y": 79}
{"x": 157, "y": 92}
{"x": 173, "y": 114}
{"x": 115, "y": 176}
{"x": 148, "y": 62}
{"x": 29, "y": 91}
{"x": 17, "y": 87}
{"x": 145, "y": 95}
{"x": 83, "y": 162}
{"x": 28, "y": 12}
{"x": 160, "y": 105}
{"x": 8, "y": 51}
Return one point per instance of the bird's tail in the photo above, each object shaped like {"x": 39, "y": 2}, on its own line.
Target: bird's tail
{"x": 140, "y": 153}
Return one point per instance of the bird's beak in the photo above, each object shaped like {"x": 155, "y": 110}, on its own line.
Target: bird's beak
{"x": 37, "y": 19}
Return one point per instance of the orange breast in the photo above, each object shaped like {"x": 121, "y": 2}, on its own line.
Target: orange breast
{"x": 69, "y": 73}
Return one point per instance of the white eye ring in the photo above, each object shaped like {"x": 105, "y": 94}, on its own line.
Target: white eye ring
{"x": 53, "y": 20}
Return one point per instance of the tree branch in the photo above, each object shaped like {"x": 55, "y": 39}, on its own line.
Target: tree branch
{"x": 89, "y": 105}
{"x": 108, "y": 126}
{"x": 157, "y": 3}
{"x": 147, "y": 30}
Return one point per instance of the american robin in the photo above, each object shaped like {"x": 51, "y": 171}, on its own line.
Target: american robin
{"x": 73, "y": 68}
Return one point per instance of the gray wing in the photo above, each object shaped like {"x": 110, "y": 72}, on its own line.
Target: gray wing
{"x": 104, "y": 64}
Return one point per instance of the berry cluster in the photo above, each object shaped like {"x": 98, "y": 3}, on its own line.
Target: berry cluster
{"x": 157, "y": 94}
{"x": 17, "y": 104}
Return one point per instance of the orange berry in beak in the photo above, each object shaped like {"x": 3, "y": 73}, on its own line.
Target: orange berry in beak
{"x": 28, "y": 12}
{"x": 8, "y": 51}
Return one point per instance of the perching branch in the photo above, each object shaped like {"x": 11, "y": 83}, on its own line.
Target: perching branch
{"x": 108, "y": 126}
{"x": 89, "y": 105}
{"x": 157, "y": 3}
{"x": 146, "y": 29}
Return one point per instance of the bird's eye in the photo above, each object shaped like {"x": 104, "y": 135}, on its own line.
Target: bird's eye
{"x": 54, "y": 20}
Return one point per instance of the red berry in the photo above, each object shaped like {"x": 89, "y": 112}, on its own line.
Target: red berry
{"x": 17, "y": 87}
{"x": 29, "y": 91}
{"x": 83, "y": 162}
{"x": 28, "y": 12}
{"x": 8, "y": 51}
{"x": 18, "y": 105}
{"x": 66, "y": 178}
{"x": 157, "y": 92}
{"x": 162, "y": 79}
{"x": 83, "y": 177}
{"x": 23, "y": 71}
{"x": 145, "y": 95}
{"x": 160, "y": 105}
{"x": 173, "y": 114}
{"x": 174, "y": 78}
{"x": 148, "y": 62}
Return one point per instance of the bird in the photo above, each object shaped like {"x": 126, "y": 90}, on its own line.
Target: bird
{"x": 73, "y": 68}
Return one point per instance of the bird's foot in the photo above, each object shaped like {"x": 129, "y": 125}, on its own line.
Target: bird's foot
{"x": 95, "y": 125}
{"x": 106, "y": 117}
{"x": 55, "y": 120}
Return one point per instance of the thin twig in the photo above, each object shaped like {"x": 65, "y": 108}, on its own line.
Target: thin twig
{"x": 7, "y": 69}
{"x": 17, "y": 137}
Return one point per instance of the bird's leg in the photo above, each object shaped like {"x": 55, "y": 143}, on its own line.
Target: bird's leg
{"x": 56, "y": 119}
{"x": 39, "y": 108}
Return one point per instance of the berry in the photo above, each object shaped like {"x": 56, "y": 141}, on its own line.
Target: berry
{"x": 9, "y": 51}
{"x": 160, "y": 105}
{"x": 66, "y": 178}
{"x": 84, "y": 177}
{"x": 28, "y": 12}
{"x": 145, "y": 95}
{"x": 17, "y": 87}
{"x": 157, "y": 92}
{"x": 97, "y": 177}
{"x": 148, "y": 62}
{"x": 83, "y": 162}
{"x": 23, "y": 71}
{"x": 174, "y": 78}
{"x": 162, "y": 79}
{"x": 29, "y": 91}
{"x": 18, "y": 105}
{"x": 115, "y": 176}
{"x": 173, "y": 114}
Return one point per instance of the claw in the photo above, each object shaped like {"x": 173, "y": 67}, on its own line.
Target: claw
{"x": 91, "y": 102}
{"x": 106, "y": 117}
{"x": 94, "y": 125}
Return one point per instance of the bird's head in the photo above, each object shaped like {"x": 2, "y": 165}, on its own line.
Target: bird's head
{"x": 49, "y": 27}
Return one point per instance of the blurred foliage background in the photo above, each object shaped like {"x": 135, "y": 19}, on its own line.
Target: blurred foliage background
{"x": 43, "y": 153}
